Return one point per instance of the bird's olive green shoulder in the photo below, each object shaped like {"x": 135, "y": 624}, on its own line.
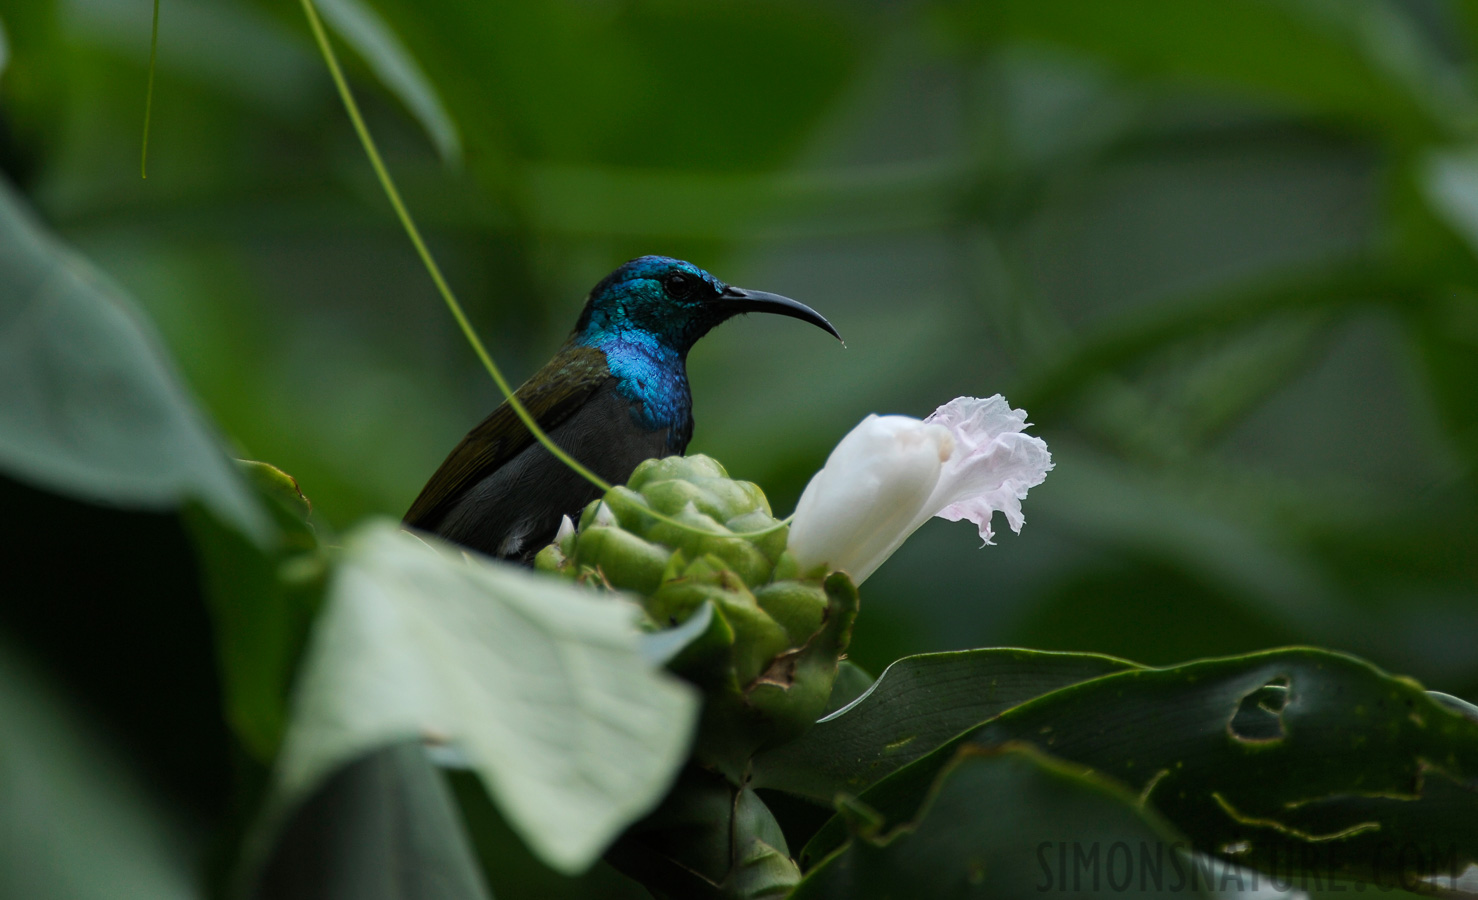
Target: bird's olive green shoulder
{"x": 554, "y": 393}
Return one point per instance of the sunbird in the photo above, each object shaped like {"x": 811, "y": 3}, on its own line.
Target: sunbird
{"x": 614, "y": 395}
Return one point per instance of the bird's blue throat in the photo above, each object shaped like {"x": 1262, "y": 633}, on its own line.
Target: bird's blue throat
{"x": 652, "y": 376}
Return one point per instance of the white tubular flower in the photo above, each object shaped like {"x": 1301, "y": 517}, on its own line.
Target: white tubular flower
{"x": 890, "y": 474}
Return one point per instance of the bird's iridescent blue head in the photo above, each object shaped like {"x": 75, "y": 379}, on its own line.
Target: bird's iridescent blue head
{"x": 676, "y": 303}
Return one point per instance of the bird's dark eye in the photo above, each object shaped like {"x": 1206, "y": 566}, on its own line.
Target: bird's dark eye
{"x": 680, "y": 285}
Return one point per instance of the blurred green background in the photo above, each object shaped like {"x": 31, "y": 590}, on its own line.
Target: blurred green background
{"x": 1223, "y": 254}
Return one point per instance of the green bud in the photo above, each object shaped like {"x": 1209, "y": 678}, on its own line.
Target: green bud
{"x": 673, "y": 496}
{"x": 552, "y": 559}
{"x": 786, "y": 568}
{"x": 684, "y": 592}
{"x": 742, "y": 557}
{"x": 757, "y": 637}
{"x": 799, "y": 607}
{"x": 693, "y": 528}
{"x": 629, "y": 508}
{"x": 276, "y": 484}
{"x": 565, "y": 537}
{"x": 705, "y": 661}
{"x": 771, "y": 542}
{"x": 627, "y": 562}
{"x": 682, "y": 468}
{"x": 596, "y": 513}
{"x": 792, "y": 691}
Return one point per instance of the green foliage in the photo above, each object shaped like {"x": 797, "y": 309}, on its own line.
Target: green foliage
{"x": 1263, "y": 758}
{"x": 540, "y": 686}
{"x": 1225, "y": 254}
{"x": 916, "y": 705}
{"x": 354, "y": 837}
{"x": 991, "y": 826}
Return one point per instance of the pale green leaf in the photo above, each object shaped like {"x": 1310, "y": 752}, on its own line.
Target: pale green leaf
{"x": 89, "y": 405}
{"x": 541, "y": 684}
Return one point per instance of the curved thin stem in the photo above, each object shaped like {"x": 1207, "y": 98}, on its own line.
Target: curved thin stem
{"x": 402, "y": 213}
{"x": 414, "y": 233}
{"x": 149, "y": 94}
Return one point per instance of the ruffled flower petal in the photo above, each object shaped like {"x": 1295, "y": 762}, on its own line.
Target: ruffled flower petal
{"x": 890, "y": 474}
{"x": 994, "y": 464}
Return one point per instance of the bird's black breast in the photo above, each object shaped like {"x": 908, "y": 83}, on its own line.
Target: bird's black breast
{"x": 515, "y": 510}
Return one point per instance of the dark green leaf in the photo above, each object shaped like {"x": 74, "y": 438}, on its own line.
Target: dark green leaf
{"x": 1446, "y": 333}
{"x": 917, "y": 704}
{"x": 709, "y": 840}
{"x": 111, "y": 602}
{"x": 1010, "y": 823}
{"x": 851, "y": 682}
{"x": 1352, "y": 763}
{"x": 75, "y": 823}
{"x": 382, "y": 828}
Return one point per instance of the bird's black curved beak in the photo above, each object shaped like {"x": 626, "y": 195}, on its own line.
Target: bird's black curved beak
{"x": 738, "y": 300}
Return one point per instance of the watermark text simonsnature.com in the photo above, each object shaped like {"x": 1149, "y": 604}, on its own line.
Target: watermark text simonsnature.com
{"x": 1125, "y": 867}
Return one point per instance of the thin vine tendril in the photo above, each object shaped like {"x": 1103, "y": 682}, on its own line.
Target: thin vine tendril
{"x": 320, "y": 36}
{"x": 432, "y": 268}
{"x": 149, "y": 93}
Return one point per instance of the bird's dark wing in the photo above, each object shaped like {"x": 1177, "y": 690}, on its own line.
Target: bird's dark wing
{"x": 555, "y": 392}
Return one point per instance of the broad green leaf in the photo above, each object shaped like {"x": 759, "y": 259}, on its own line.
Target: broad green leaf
{"x": 1009, "y": 823}
{"x": 917, "y": 704}
{"x": 75, "y": 823}
{"x": 384, "y": 827}
{"x": 541, "y": 684}
{"x": 89, "y": 405}
{"x": 1266, "y": 757}
{"x": 393, "y": 64}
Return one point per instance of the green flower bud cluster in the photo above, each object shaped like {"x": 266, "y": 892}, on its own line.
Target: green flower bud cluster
{"x": 682, "y": 534}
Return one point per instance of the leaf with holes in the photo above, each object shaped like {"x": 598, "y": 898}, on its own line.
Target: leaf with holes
{"x": 917, "y": 704}
{"x": 1010, "y": 822}
{"x": 1291, "y": 759}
